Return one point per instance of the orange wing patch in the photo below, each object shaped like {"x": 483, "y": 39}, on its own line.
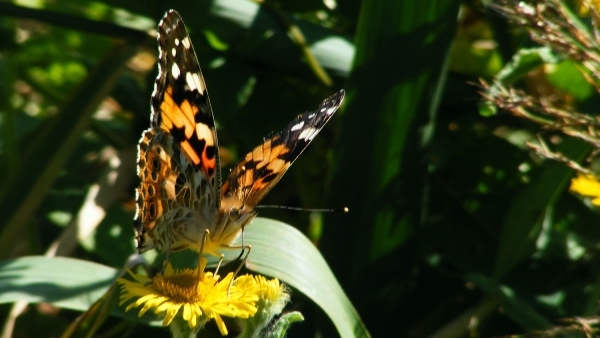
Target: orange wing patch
{"x": 177, "y": 115}
{"x": 197, "y": 140}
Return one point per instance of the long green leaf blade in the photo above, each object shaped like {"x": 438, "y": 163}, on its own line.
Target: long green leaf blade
{"x": 279, "y": 250}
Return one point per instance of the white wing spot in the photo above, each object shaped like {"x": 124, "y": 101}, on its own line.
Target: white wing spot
{"x": 186, "y": 42}
{"x": 311, "y": 116}
{"x": 190, "y": 81}
{"x": 200, "y": 81}
{"x": 297, "y": 126}
{"x": 322, "y": 109}
{"x": 203, "y": 131}
{"x": 330, "y": 111}
{"x": 175, "y": 71}
{"x": 176, "y": 42}
{"x": 308, "y": 134}
{"x": 174, "y": 52}
{"x": 194, "y": 82}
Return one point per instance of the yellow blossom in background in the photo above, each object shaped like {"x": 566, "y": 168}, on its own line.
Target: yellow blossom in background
{"x": 273, "y": 297}
{"x": 197, "y": 295}
{"x": 587, "y": 185}
{"x": 584, "y": 6}
{"x": 272, "y": 291}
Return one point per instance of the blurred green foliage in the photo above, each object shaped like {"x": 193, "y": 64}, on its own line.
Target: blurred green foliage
{"x": 456, "y": 228}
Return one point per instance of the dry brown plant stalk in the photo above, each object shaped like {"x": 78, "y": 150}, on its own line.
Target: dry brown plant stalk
{"x": 552, "y": 23}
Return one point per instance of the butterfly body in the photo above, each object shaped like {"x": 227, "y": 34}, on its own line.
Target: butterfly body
{"x": 180, "y": 194}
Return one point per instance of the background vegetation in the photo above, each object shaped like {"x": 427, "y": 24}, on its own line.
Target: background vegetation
{"x": 456, "y": 227}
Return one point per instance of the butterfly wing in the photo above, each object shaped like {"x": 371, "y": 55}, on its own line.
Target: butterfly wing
{"x": 258, "y": 172}
{"x": 178, "y": 165}
{"x": 180, "y": 103}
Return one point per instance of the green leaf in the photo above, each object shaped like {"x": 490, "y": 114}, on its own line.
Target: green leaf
{"x": 529, "y": 208}
{"x": 282, "y": 324}
{"x": 65, "y": 282}
{"x": 524, "y": 61}
{"x": 281, "y": 251}
{"x": 517, "y": 309}
{"x": 567, "y": 77}
{"x": 215, "y": 42}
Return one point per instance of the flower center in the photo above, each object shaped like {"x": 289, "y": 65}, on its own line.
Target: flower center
{"x": 182, "y": 287}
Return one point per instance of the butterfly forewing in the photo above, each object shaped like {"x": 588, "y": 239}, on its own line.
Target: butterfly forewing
{"x": 256, "y": 174}
{"x": 180, "y": 102}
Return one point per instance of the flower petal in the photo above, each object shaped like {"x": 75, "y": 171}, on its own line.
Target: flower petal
{"x": 171, "y": 313}
{"x": 187, "y": 311}
{"x": 221, "y": 325}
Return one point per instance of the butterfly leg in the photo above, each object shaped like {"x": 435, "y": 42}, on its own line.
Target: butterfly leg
{"x": 167, "y": 258}
{"x": 165, "y": 262}
{"x": 242, "y": 263}
{"x": 219, "y": 264}
{"x": 206, "y": 233}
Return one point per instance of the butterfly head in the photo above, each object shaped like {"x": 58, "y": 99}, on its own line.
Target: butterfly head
{"x": 236, "y": 210}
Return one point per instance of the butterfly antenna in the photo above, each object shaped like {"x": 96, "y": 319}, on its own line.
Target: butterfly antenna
{"x": 343, "y": 209}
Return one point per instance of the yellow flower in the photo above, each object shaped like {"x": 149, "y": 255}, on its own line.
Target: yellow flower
{"x": 586, "y": 185}
{"x": 272, "y": 292}
{"x": 274, "y": 296}
{"x": 198, "y": 295}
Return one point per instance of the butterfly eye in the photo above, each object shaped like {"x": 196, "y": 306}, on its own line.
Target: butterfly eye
{"x": 234, "y": 214}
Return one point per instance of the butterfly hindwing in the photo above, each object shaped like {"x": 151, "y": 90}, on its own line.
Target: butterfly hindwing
{"x": 256, "y": 174}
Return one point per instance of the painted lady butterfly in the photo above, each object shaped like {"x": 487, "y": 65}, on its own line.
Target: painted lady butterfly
{"x": 180, "y": 194}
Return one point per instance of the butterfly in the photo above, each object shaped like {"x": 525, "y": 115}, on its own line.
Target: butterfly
{"x": 180, "y": 195}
